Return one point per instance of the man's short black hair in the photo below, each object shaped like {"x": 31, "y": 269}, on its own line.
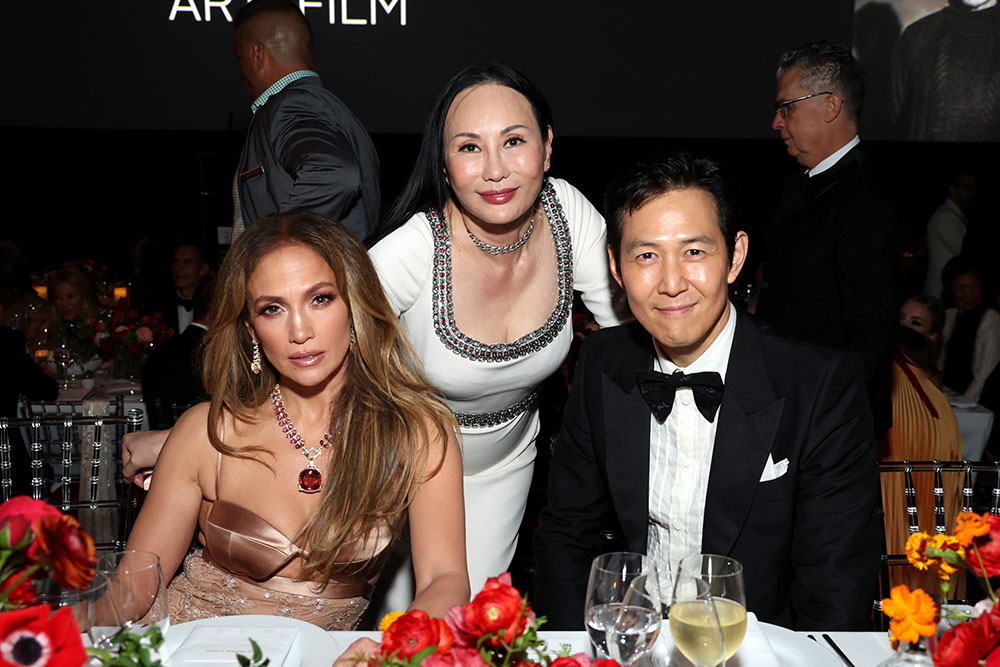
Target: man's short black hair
{"x": 659, "y": 174}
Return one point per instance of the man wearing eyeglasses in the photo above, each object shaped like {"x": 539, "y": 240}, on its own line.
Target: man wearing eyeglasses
{"x": 829, "y": 252}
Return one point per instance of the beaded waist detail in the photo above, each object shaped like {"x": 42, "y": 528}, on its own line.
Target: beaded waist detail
{"x": 485, "y": 419}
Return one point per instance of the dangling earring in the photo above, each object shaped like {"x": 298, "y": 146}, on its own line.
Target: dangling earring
{"x": 354, "y": 337}
{"x": 546, "y": 165}
{"x": 256, "y": 365}
{"x": 446, "y": 181}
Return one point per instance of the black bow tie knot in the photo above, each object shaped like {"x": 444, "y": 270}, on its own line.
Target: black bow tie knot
{"x": 659, "y": 388}
{"x": 186, "y": 304}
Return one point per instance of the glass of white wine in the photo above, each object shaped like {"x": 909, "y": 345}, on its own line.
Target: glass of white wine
{"x": 622, "y": 611}
{"x": 694, "y": 622}
{"x": 724, "y": 577}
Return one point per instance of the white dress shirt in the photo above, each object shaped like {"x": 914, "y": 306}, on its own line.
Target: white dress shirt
{"x": 680, "y": 458}
{"x": 834, "y": 157}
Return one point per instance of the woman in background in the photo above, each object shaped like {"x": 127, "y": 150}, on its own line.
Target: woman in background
{"x": 971, "y": 331}
{"x": 480, "y": 257}
{"x": 924, "y": 428}
{"x": 72, "y": 295}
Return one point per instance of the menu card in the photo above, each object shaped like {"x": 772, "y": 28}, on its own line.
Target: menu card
{"x": 212, "y": 645}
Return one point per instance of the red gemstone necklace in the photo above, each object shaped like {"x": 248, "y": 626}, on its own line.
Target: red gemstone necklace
{"x": 310, "y": 477}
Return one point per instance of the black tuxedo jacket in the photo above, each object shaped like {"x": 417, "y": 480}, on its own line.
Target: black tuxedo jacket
{"x": 305, "y": 150}
{"x": 807, "y": 539}
{"x": 830, "y": 270}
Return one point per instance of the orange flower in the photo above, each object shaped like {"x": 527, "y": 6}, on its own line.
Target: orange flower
{"x": 388, "y": 620}
{"x": 942, "y": 567}
{"x": 970, "y": 526}
{"x": 913, "y": 613}
{"x": 916, "y": 545}
{"x": 68, "y": 549}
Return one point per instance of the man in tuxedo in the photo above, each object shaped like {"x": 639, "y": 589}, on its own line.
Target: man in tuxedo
{"x": 188, "y": 267}
{"x": 305, "y": 150}
{"x": 691, "y": 431}
{"x": 830, "y": 251}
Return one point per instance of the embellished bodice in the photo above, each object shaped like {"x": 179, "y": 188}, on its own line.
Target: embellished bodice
{"x": 491, "y": 387}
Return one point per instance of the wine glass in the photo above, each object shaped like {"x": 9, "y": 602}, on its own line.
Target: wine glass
{"x": 622, "y": 611}
{"x": 135, "y": 595}
{"x": 64, "y": 357}
{"x": 694, "y": 622}
{"x": 724, "y": 577}
{"x": 53, "y": 594}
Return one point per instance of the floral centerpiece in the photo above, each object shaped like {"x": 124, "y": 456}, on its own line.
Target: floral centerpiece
{"x": 36, "y": 540}
{"x": 497, "y": 628}
{"x": 973, "y": 638}
{"x": 125, "y": 338}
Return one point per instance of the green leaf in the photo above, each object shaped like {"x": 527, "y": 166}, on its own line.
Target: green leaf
{"x": 243, "y": 660}
{"x": 257, "y": 655}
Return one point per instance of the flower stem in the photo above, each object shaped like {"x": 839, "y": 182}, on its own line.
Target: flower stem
{"x": 986, "y": 578}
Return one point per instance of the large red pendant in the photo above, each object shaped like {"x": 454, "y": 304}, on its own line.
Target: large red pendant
{"x": 310, "y": 479}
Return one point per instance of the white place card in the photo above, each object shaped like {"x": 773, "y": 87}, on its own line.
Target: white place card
{"x": 213, "y": 645}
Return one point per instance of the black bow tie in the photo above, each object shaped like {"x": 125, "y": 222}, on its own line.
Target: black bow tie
{"x": 659, "y": 388}
{"x": 187, "y": 304}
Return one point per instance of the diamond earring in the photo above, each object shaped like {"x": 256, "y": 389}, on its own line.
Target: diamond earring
{"x": 256, "y": 365}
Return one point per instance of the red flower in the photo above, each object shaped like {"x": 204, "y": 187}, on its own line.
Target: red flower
{"x": 69, "y": 551}
{"x": 967, "y": 642}
{"x": 989, "y": 551}
{"x": 456, "y": 657}
{"x": 414, "y": 631}
{"x": 15, "y": 532}
{"x": 23, "y": 594}
{"x": 577, "y": 660}
{"x": 993, "y": 659}
{"x": 31, "y": 637}
{"x": 495, "y": 611}
{"x": 23, "y": 508}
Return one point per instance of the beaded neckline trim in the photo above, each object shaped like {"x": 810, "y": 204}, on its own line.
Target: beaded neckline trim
{"x": 444, "y": 314}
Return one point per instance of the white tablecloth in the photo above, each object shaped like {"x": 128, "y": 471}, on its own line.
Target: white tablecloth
{"x": 865, "y": 649}
{"x": 974, "y": 422}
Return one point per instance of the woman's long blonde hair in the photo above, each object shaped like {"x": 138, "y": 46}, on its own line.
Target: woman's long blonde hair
{"x": 381, "y": 449}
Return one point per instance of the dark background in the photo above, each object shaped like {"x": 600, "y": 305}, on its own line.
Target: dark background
{"x": 119, "y": 123}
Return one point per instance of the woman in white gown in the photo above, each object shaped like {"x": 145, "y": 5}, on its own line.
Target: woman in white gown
{"x": 480, "y": 256}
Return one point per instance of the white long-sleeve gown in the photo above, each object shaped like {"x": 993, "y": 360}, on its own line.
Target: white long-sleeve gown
{"x": 492, "y": 388}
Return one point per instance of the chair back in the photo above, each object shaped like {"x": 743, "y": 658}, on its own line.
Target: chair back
{"x": 82, "y": 477}
{"x": 907, "y": 499}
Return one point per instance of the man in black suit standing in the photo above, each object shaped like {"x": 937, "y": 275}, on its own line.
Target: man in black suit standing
{"x": 766, "y": 455}
{"x": 830, "y": 250}
{"x": 305, "y": 150}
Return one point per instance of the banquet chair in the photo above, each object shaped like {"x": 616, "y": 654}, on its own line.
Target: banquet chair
{"x": 908, "y": 499}
{"x": 89, "y": 484}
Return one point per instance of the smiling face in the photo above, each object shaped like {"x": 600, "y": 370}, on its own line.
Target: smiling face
{"x": 916, "y": 316}
{"x": 675, "y": 271}
{"x": 495, "y": 155}
{"x": 69, "y": 302}
{"x": 804, "y": 129}
{"x": 298, "y": 316}
{"x": 967, "y": 290}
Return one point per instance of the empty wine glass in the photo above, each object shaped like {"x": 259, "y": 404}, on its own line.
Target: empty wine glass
{"x": 694, "y": 622}
{"x": 724, "y": 577}
{"x": 622, "y": 610}
{"x": 64, "y": 357}
{"x": 135, "y": 595}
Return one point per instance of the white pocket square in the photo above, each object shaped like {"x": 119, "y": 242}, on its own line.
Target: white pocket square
{"x": 773, "y": 470}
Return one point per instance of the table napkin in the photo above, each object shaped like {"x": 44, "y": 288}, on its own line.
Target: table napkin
{"x": 213, "y": 645}
{"x": 755, "y": 651}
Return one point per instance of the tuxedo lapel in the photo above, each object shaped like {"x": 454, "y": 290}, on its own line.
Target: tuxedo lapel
{"x": 626, "y": 436}
{"x": 748, "y": 422}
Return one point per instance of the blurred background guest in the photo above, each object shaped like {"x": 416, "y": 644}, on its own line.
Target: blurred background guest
{"x": 481, "y": 260}
{"x": 72, "y": 294}
{"x": 971, "y": 331}
{"x": 947, "y": 227}
{"x": 187, "y": 269}
{"x": 21, "y": 376}
{"x": 924, "y": 428}
{"x": 172, "y": 379}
